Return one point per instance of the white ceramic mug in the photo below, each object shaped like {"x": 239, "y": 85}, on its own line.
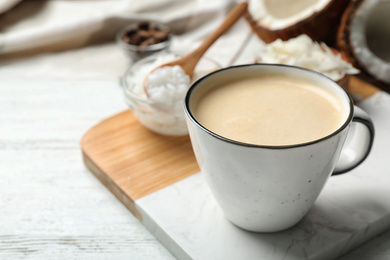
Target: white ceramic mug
{"x": 271, "y": 188}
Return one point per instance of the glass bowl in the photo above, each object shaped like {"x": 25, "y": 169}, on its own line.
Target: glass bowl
{"x": 168, "y": 119}
{"x": 137, "y": 52}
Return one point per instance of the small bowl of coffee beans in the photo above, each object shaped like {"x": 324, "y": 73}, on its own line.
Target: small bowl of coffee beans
{"x": 144, "y": 38}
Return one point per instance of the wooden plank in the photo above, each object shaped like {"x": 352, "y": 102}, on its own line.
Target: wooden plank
{"x": 132, "y": 161}
{"x": 38, "y": 246}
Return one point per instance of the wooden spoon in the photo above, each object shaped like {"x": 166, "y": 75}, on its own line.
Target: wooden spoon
{"x": 188, "y": 62}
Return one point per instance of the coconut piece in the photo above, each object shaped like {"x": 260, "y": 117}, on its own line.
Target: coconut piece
{"x": 285, "y": 19}
{"x": 303, "y": 52}
{"x": 364, "y": 38}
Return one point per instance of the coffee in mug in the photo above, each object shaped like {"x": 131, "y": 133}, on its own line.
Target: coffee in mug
{"x": 267, "y": 137}
{"x": 273, "y": 109}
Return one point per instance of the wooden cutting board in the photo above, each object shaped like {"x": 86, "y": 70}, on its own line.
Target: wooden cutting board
{"x": 132, "y": 161}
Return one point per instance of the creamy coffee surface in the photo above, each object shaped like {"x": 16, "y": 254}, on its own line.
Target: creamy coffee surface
{"x": 269, "y": 110}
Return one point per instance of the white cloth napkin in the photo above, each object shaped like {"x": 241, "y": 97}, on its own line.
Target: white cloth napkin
{"x": 42, "y": 26}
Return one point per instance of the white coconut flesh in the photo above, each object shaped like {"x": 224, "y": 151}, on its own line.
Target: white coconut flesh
{"x": 370, "y": 37}
{"x": 303, "y": 52}
{"x": 279, "y": 14}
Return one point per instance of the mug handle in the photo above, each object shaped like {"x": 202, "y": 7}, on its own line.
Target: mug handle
{"x": 358, "y": 144}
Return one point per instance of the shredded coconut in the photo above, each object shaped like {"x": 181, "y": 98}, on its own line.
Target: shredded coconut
{"x": 303, "y": 52}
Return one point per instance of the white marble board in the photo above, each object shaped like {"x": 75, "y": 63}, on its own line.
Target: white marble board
{"x": 351, "y": 209}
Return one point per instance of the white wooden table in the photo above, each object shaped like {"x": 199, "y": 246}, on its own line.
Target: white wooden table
{"x": 51, "y": 206}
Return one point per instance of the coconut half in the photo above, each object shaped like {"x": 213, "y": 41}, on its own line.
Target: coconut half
{"x": 285, "y": 19}
{"x": 364, "y": 37}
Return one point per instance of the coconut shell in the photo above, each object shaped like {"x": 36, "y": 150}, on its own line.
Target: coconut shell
{"x": 345, "y": 47}
{"x": 320, "y": 26}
